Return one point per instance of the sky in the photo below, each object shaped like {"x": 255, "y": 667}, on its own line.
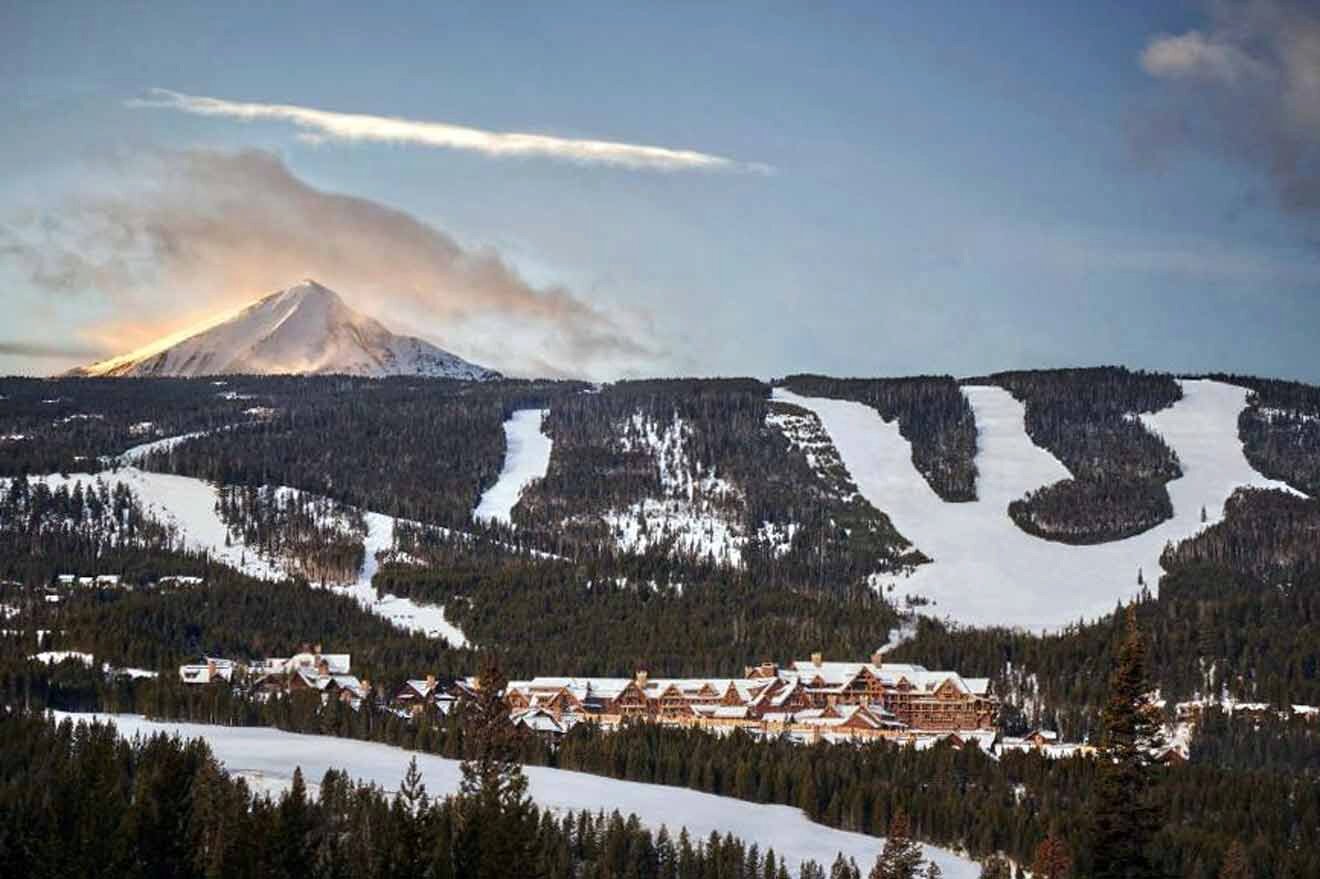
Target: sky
{"x": 610, "y": 190}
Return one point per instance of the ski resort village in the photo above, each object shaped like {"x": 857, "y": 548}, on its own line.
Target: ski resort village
{"x": 807, "y": 701}
{"x": 625, "y": 440}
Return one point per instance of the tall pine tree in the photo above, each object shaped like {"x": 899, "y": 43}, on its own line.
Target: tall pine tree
{"x": 496, "y": 818}
{"x": 1125, "y": 819}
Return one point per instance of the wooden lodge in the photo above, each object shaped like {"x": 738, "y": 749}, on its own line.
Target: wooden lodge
{"x": 808, "y": 698}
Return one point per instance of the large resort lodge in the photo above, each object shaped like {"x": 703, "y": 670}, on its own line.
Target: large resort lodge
{"x": 811, "y": 698}
{"x": 807, "y": 700}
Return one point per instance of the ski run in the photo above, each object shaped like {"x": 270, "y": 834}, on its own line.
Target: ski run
{"x": 987, "y": 571}
{"x": 527, "y": 458}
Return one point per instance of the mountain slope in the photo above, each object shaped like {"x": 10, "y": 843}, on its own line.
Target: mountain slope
{"x": 305, "y": 329}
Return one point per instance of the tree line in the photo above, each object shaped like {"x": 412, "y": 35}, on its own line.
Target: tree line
{"x": 1119, "y": 468}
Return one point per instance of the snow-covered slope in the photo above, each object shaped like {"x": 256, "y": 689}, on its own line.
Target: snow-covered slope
{"x": 985, "y": 570}
{"x": 304, "y": 329}
{"x": 526, "y": 457}
{"x": 190, "y": 505}
{"x": 268, "y": 756}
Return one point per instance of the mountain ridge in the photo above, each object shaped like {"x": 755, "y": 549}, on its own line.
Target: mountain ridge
{"x": 306, "y": 329}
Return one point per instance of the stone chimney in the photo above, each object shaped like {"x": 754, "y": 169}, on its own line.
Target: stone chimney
{"x": 642, "y": 678}
{"x": 210, "y": 668}
{"x": 430, "y": 683}
{"x": 817, "y": 659}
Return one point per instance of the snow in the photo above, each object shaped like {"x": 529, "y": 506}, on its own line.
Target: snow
{"x": 270, "y": 755}
{"x": 190, "y": 506}
{"x": 135, "y": 673}
{"x": 136, "y": 454}
{"x": 650, "y": 522}
{"x": 54, "y": 657}
{"x": 987, "y": 571}
{"x": 526, "y": 458}
{"x": 304, "y": 329}
{"x": 404, "y": 613}
{"x": 698, "y": 509}
{"x": 186, "y": 503}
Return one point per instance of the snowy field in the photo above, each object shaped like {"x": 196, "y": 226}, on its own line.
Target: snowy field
{"x": 189, "y": 505}
{"x": 526, "y": 457}
{"x": 268, "y": 756}
{"x": 988, "y": 571}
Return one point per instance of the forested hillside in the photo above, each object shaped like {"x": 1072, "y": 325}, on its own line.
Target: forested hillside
{"x": 1280, "y": 430}
{"x": 1086, "y": 417}
{"x": 933, "y": 415}
{"x": 421, "y": 449}
{"x": 53, "y": 426}
{"x": 700, "y": 474}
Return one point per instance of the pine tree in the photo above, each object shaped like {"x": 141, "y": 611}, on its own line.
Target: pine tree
{"x": 1235, "y": 863}
{"x": 1052, "y": 860}
{"x": 901, "y": 856}
{"x": 496, "y": 817}
{"x": 1124, "y": 819}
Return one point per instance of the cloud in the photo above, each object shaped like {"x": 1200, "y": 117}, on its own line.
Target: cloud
{"x": 323, "y": 125}
{"x": 52, "y": 351}
{"x": 182, "y": 236}
{"x": 1246, "y": 88}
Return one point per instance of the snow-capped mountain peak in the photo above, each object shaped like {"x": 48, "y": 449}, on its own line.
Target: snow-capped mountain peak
{"x": 305, "y": 329}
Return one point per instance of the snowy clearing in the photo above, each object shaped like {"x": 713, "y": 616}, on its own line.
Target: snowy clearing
{"x": 985, "y": 570}
{"x": 698, "y": 512}
{"x": 526, "y": 458}
{"x": 268, "y": 756}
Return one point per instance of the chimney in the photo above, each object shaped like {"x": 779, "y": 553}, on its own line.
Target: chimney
{"x": 210, "y": 668}
{"x": 430, "y": 683}
{"x": 641, "y": 679}
{"x": 476, "y": 683}
{"x": 877, "y": 657}
{"x": 817, "y": 659}
{"x": 318, "y": 648}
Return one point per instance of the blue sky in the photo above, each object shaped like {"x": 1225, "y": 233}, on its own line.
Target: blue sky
{"x": 951, "y": 189}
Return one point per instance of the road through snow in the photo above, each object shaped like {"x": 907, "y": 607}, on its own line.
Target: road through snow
{"x": 985, "y": 570}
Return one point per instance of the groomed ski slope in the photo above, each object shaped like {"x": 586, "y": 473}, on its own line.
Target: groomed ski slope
{"x": 190, "y": 506}
{"x": 987, "y": 571}
{"x": 526, "y": 457}
{"x": 268, "y": 756}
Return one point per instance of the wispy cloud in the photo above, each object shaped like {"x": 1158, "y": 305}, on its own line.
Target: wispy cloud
{"x": 1246, "y": 87}
{"x": 50, "y": 351}
{"x": 323, "y": 125}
